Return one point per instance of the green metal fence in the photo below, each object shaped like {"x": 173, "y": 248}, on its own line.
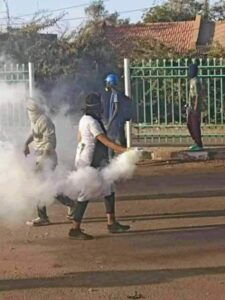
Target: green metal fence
{"x": 16, "y": 81}
{"x": 160, "y": 90}
{"x": 11, "y": 73}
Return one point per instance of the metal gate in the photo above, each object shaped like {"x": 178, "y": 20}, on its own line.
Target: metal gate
{"x": 16, "y": 81}
{"x": 160, "y": 89}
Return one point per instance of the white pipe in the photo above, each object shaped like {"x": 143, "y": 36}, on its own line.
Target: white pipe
{"x": 127, "y": 93}
{"x": 31, "y": 78}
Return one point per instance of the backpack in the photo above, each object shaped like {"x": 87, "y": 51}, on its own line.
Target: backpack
{"x": 125, "y": 106}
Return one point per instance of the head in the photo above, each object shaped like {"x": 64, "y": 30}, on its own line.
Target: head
{"x": 93, "y": 105}
{"x": 33, "y": 109}
{"x": 111, "y": 81}
{"x": 193, "y": 71}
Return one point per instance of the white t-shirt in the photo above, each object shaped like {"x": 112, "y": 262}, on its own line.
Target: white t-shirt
{"x": 89, "y": 129}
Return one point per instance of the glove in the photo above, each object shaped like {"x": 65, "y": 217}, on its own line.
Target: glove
{"x": 26, "y": 150}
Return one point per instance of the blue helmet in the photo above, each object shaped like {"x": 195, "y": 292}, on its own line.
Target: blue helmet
{"x": 111, "y": 80}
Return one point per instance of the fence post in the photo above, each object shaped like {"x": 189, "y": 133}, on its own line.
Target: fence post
{"x": 31, "y": 78}
{"x": 127, "y": 93}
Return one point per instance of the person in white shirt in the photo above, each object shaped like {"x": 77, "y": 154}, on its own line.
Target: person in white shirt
{"x": 92, "y": 150}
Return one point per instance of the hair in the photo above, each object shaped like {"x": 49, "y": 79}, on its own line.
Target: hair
{"x": 93, "y": 106}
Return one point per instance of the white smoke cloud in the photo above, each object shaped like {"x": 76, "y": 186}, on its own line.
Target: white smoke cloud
{"x": 122, "y": 166}
{"x": 21, "y": 189}
{"x": 66, "y": 130}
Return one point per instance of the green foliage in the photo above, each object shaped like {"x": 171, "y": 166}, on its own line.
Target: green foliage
{"x": 84, "y": 51}
{"x": 184, "y": 10}
{"x": 173, "y": 10}
{"x": 216, "y": 50}
{"x": 69, "y": 65}
{"x": 96, "y": 11}
{"x": 217, "y": 11}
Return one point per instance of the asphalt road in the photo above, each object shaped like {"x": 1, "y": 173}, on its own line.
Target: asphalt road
{"x": 174, "y": 251}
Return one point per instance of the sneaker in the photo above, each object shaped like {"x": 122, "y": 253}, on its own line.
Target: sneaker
{"x": 116, "y": 227}
{"x": 191, "y": 146}
{"x": 195, "y": 148}
{"x": 38, "y": 222}
{"x": 77, "y": 234}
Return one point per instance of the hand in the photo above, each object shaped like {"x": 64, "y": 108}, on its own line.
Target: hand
{"x": 26, "y": 150}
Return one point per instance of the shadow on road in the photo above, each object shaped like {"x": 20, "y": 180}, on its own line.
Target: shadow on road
{"x": 182, "y": 195}
{"x": 179, "y": 215}
{"x": 150, "y": 217}
{"x": 108, "y": 278}
{"x": 170, "y": 231}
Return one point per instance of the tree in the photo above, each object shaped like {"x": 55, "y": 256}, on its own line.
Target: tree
{"x": 7, "y": 11}
{"x": 175, "y": 10}
{"x": 96, "y": 12}
{"x": 217, "y": 11}
{"x": 70, "y": 64}
{"x": 206, "y": 9}
{"x": 65, "y": 56}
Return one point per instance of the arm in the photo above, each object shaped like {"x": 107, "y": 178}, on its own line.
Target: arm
{"x": 114, "y": 115}
{"x": 202, "y": 95}
{"x": 196, "y": 103}
{"x": 78, "y": 136}
{"x": 195, "y": 94}
{"x": 29, "y": 140}
{"x": 108, "y": 143}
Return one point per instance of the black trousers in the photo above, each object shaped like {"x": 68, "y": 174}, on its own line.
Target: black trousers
{"x": 194, "y": 127}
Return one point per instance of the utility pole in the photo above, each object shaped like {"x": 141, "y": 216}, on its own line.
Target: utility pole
{"x": 206, "y": 9}
{"x": 7, "y": 12}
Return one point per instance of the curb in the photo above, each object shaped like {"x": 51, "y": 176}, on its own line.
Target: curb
{"x": 163, "y": 196}
{"x": 183, "y": 155}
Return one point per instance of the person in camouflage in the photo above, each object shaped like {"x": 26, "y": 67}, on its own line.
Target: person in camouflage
{"x": 196, "y": 100}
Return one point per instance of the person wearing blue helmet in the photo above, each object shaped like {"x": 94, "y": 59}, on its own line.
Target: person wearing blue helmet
{"x": 118, "y": 110}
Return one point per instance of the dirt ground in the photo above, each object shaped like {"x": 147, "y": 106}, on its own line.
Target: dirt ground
{"x": 175, "y": 249}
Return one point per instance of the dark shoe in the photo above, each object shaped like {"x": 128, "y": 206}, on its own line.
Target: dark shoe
{"x": 77, "y": 234}
{"x": 116, "y": 227}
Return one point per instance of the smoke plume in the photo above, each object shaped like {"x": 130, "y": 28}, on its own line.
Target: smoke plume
{"x": 21, "y": 189}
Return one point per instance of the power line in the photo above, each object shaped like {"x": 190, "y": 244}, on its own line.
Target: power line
{"x": 119, "y": 12}
{"x": 50, "y": 11}
{"x": 83, "y": 18}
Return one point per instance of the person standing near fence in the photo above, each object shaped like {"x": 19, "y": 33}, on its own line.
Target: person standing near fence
{"x": 196, "y": 100}
{"x": 118, "y": 110}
